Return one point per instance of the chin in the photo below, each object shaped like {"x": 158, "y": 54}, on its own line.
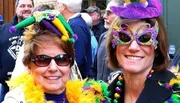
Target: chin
{"x": 132, "y": 69}
{"x": 106, "y": 26}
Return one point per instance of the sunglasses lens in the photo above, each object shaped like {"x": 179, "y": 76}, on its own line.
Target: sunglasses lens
{"x": 145, "y": 38}
{"x": 124, "y": 37}
{"x": 63, "y": 59}
{"x": 42, "y": 60}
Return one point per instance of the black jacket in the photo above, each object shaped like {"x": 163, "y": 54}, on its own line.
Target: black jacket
{"x": 98, "y": 30}
{"x": 152, "y": 92}
{"x": 9, "y": 48}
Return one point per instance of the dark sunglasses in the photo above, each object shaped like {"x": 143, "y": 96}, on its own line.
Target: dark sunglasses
{"x": 148, "y": 37}
{"x": 44, "y": 60}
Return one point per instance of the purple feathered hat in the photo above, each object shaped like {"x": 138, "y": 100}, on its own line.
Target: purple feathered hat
{"x": 138, "y": 9}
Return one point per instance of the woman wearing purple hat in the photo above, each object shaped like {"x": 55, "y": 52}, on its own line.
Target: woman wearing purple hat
{"x": 137, "y": 43}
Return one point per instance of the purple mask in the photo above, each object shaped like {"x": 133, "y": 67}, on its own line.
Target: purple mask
{"x": 148, "y": 37}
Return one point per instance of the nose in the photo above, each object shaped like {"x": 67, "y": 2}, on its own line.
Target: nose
{"x": 105, "y": 16}
{"x": 26, "y": 7}
{"x": 53, "y": 67}
{"x": 134, "y": 46}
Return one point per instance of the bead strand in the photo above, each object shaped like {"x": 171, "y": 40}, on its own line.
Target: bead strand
{"x": 118, "y": 89}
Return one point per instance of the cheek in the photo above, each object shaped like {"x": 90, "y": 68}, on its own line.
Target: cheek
{"x": 37, "y": 73}
{"x": 19, "y": 11}
{"x": 31, "y": 9}
{"x": 111, "y": 18}
{"x": 120, "y": 49}
{"x": 118, "y": 53}
{"x": 149, "y": 51}
{"x": 66, "y": 72}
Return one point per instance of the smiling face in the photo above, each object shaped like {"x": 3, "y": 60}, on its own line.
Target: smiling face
{"x": 52, "y": 78}
{"x": 24, "y": 9}
{"x": 135, "y": 58}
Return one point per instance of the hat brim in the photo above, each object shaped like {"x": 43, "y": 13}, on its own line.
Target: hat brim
{"x": 154, "y": 9}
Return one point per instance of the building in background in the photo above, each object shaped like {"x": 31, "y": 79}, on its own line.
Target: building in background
{"x": 7, "y": 9}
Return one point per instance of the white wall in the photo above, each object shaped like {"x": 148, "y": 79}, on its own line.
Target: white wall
{"x": 38, "y": 2}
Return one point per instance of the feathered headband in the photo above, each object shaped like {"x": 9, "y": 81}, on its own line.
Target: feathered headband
{"x": 51, "y": 20}
{"x": 138, "y": 9}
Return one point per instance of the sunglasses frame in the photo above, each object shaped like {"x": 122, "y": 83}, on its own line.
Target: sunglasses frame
{"x": 49, "y": 59}
{"x": 135, "y": 36}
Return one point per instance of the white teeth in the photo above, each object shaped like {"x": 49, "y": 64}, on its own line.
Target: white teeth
{"x": 52, "y": 78}
{"x": 134, "y": 57}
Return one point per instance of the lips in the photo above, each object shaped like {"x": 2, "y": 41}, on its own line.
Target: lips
{"x": 27, "y": 12}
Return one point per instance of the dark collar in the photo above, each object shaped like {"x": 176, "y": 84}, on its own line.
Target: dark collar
{"x": 154, "y": 93}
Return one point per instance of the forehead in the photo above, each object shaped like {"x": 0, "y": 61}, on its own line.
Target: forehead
{"x": 25, "y": 2}
{"x": 49, "y": 46}
{"x": 138, "y": 26}
{"x": 93, "y": 13}
{"x": 136, "y": 23}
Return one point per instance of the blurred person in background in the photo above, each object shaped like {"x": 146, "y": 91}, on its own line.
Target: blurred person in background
{"x": 11, "y": 42}
{"x": 98, "y": 23}
{"x": 70, "y": 9}
{"x": 100, "y": 65}
{"x": 94, "y": 44}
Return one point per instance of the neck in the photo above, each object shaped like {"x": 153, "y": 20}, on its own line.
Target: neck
{"x": 67, "y": 14}
{"x": 134, "y": 84}
{"x": 133, "y": 88}
{"x": 57, "y": 92}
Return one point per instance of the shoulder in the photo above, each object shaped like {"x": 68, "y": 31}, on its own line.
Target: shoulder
{"x": 78, "y": 20}
{"x": 174, "y": 87}
{"x": 14, "y": 96}
{"x": 102, "y": 36}
{"x": 164, "y": 76}
{"x": 3, "y": 26}
{"x": 171, "y": 82}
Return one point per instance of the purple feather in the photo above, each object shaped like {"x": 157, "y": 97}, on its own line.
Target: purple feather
{"x": 75, "y": 37}
{"x": 138, "y": 10}
{"x": 47, "y": 25}
{"x": 12, "y": 29}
